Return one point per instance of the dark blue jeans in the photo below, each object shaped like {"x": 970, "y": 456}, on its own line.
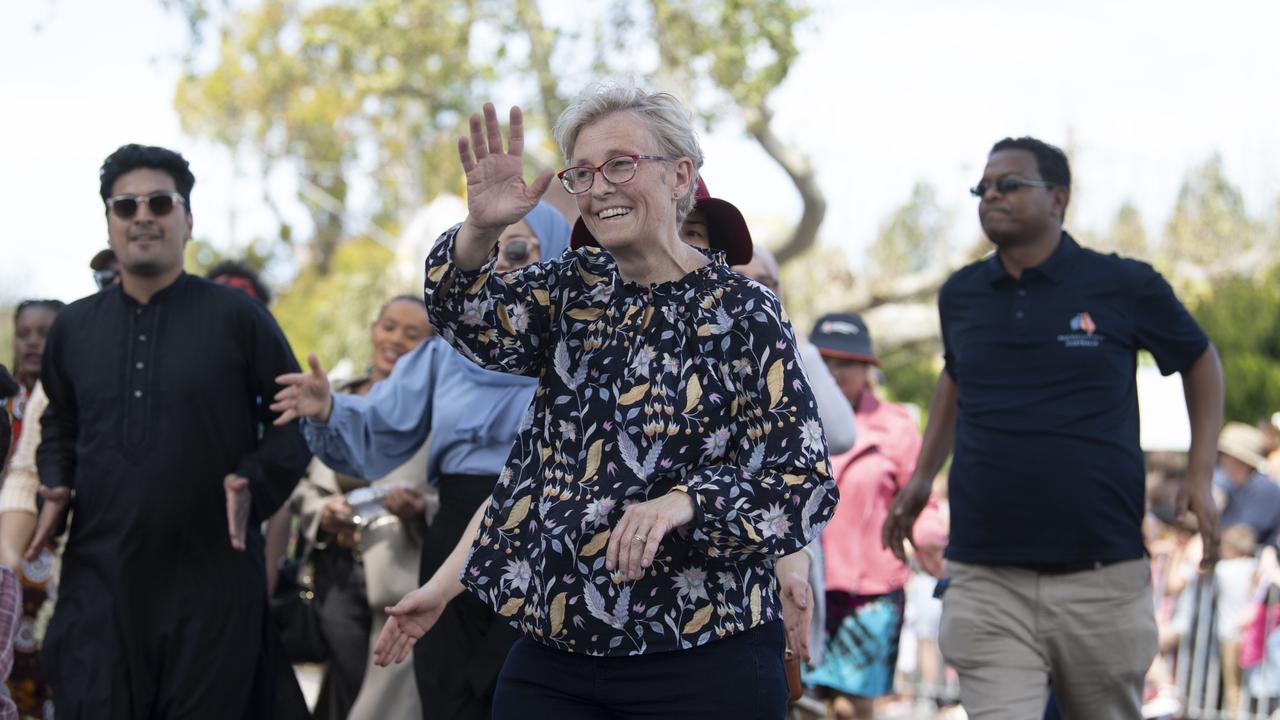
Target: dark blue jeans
{"x": 738, "y": 678}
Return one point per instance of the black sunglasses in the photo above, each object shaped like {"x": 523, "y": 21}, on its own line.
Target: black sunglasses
{"x": 1007, "y": 184}
{"x": 104, "y": 278}
{"x": 159, "y": 203}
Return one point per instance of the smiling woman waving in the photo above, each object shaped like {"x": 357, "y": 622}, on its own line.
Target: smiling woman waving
{"x": 672, "y": 450}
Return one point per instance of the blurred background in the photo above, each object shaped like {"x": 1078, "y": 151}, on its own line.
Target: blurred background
{"x": 322, "y": 133}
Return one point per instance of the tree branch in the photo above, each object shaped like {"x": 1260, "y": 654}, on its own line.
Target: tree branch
{"x": 801, "y": 173}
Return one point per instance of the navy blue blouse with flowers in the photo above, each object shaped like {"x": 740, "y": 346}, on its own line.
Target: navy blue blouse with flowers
{"x": 695, "y": 382}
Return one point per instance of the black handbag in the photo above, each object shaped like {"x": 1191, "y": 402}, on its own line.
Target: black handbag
{"x": 294, "y": 609}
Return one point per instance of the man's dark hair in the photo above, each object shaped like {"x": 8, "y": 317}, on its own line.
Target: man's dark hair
{"x": 244, "y": 271}
{"x": 1050, "y": 161}
{"x": 131, "y": 157}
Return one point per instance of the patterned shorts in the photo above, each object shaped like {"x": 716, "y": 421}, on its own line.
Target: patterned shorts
{"x": 861, "y": 650}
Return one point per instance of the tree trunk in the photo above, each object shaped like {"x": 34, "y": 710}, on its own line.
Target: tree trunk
{"x": 798, "y": 168}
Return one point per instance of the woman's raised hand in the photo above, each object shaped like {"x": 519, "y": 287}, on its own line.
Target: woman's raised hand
{"x": 304, "y": 395}
{"x": 497, "y": 195}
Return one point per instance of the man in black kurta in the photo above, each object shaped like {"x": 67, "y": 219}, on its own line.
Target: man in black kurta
{"x": 155, "y": 423}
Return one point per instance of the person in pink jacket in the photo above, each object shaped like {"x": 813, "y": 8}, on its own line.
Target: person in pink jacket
{"x": 864, "y": 581}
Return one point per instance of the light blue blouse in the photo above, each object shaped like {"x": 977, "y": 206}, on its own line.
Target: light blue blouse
{"x": 470, "y": 414}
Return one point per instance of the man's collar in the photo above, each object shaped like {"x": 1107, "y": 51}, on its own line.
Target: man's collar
{"x": 1055, "y": 267}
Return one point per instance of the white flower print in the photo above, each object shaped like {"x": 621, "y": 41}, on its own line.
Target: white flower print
{"x": 569, "y": 430}
{"x": 811, "y": 434}
{"x": 643, "y": 358}
{"x": 691, "y": 583}
{"x": 742, "y": 366}
{"x": 598, "y": 511}
{"x": 670, "y": 364}
{"x": 473, "y": 311}
{"x": 727, "y": 580}
{"x": 715, "y": 444}
{"x": 775, "y": 522}
{"x": 517, "y": 575}
{"x": 519, "y": 316}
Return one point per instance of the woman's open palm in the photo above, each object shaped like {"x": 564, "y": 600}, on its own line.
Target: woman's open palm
{"x": 497, "y": 194}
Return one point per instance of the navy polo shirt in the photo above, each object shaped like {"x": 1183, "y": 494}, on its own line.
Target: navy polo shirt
{"x": 1047, "y": 466}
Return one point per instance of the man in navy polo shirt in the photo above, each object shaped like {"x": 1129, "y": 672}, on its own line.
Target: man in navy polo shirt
{"x": 1039, "y": 399}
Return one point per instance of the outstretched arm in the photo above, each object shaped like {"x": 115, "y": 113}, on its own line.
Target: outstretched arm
{"x": 418, "y": 611}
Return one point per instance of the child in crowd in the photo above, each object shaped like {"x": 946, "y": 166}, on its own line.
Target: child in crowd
{"x": 1234, "y": 577}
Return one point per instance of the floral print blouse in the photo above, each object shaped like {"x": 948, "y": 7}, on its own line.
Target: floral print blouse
{"x": 695, "y": 382}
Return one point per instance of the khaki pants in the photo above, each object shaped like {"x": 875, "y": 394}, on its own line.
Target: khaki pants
{"x": 1007, "y": 630}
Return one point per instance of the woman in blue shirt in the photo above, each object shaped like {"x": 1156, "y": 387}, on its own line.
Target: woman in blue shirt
{"x": 471, "y": 416}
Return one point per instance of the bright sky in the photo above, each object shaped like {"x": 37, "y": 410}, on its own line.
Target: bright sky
{"x": 886, "y": 94}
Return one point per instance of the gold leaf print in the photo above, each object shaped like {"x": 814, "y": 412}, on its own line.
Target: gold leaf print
{"x": 517, "y": 513}
{"x": 593, "y": 460}
{"x": 585, "y": 314}
{"x": 704, "y": 330}
{"x": 635, "y": 395}
{"x": 790, "y": 479}
{"x": 755, "y": 605}
{"x": 557, "y": 614}
{"x": 775, "y": 383}
{"x": 751, "y": 531}
{"x": 597, "y": 542}
{"x": 542, "y": 297}
{"x": 699, "y": 619}
{"x": 693, "y": 393}
{"x": 437, "y": 272}
{"x": 511, "y": 606}
{"x": 587, "y": 277}
{"x": 479, "y": 283}
{"x": 505, "y": 319}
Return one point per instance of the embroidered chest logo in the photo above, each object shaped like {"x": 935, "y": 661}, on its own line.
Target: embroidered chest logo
{"x": 1083, "y": 322}
{"x": 1083, "y": 337}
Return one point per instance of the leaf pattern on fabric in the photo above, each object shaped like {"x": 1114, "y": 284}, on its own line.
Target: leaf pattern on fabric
{"x": 641, "y": 388}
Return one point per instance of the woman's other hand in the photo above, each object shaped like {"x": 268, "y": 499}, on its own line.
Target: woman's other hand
{"x": 409, "y": 620}
{"x": 797, "y": 600}
{"x": 635, "y": 539}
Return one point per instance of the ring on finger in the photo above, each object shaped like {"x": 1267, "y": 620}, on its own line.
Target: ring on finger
{"x": 638, "y": 538}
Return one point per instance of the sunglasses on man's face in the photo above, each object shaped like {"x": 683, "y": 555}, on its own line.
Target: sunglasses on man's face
{"x": 1006, "y": 185}
{"x": 159, "y": 203}
{"x": 105, "y": 278}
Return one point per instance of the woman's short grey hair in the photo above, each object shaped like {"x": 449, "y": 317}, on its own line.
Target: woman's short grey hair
{"x": 667, "y": 118}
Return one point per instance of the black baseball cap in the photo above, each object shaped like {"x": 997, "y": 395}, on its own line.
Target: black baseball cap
{"x": 844, "y": 336}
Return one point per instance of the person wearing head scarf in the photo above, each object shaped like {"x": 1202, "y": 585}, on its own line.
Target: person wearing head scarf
{"x": 471, "y": 416}
{"x": 673, "y": 449}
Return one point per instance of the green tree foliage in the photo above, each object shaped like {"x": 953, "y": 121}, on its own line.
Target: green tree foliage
{"x": 339, "y": 90}
{"x": 1243, "y": 319}
{"x": 911, "y": 372}
{"x": 1209, "y": 229}
{"x": 1127, "y": 236}
{"x": 329, "y": 313}
{"x": 913, "y": 238}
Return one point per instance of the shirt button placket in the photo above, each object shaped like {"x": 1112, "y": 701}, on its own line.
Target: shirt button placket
{"x": 1021, "y": 309}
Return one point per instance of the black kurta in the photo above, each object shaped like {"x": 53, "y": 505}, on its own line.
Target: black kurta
{"x": 150, "y": 407}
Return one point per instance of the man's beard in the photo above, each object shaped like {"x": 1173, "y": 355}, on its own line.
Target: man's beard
{"x": 145, "y": 268}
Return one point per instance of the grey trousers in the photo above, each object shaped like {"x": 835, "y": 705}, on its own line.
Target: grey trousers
{"x": 1008, "y": 630}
